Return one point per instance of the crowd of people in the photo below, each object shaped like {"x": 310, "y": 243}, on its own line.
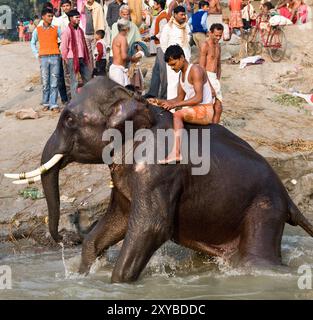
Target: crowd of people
{"x": 77, "y": 40}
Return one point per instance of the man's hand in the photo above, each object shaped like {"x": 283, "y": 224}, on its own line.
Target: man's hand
{"x": 168, "y": 105}
{"x": 134, "y": 59}
{"x": 153, "y": 101}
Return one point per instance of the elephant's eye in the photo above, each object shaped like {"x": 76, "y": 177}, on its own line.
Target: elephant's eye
{"x": 70, "y": 122}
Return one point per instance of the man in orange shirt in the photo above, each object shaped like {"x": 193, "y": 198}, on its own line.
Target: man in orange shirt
{"x": 49, "y": 56}
{"x": 235, "y": 21}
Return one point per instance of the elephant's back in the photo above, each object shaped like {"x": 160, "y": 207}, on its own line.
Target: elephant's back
{"x": 213, "y": 206}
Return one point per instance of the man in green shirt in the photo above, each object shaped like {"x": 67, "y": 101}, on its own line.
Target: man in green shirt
{"x": 133, "y": 34}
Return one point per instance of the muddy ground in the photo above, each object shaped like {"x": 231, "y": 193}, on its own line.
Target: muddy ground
{"x": 283, "y": 134}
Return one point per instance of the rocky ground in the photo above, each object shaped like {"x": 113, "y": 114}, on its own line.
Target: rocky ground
{"x": 254, "y": 109}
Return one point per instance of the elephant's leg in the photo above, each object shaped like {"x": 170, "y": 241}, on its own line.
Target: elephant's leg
{"x": 260, "y": 239}
{"x": 137, "y": 249}
{"x": 150, "y": 225}
{"x": 110, "y": 229}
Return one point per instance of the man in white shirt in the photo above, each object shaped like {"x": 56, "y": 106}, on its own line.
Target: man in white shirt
{"x": 178, "y": 32}
{"x": 62, "y": 21}
{"x": 159, "y": 77}
{"x": 133, "y": 34}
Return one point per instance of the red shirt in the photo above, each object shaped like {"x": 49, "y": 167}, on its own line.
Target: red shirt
{"x": 56, "y": 3}
{"x": 100, "y": 51}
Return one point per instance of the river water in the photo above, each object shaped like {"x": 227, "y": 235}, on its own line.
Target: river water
{"x": 172, "y": 273}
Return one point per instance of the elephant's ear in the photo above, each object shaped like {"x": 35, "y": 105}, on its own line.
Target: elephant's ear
{"x": 120, "y": 93}
{"x": 122, "y": 110}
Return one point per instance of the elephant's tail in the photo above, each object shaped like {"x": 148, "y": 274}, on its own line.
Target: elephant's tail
{"x": 296, "y": 218}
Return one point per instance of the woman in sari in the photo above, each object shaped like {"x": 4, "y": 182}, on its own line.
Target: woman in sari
{"x": 294, "y": 10}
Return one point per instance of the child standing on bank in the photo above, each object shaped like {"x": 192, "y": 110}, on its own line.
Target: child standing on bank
{"x": 21, "y": 31}
{"x": 135, "y": 73}
{"x": 100, "y": 54}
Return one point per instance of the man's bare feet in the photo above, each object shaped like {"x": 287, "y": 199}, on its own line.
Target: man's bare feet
{"x": 171, "y": 159}
{"x": 45, "y": 109}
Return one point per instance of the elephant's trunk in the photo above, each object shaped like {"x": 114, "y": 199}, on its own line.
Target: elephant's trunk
{"x": 50, "y": 183}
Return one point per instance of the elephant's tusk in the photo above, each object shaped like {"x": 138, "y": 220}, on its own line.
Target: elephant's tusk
{"x": 42, "y": 169}
{"x": 29, "y": 181}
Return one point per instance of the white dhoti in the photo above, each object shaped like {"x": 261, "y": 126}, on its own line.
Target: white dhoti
{"x": 119, "y": 74}
{"x": 216, "y": 85}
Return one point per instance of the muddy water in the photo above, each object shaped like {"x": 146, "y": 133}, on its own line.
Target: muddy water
{"x": 172, "y": 273}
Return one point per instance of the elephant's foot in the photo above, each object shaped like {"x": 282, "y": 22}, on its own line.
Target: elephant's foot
{"x": 254, "y": 262}
{"x": 120, "y": 277}
{"x": 89, "y": 255}
{"x": 84, "y": 269}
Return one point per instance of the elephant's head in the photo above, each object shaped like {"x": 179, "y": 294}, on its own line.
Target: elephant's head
{"x": 101, "y": 104}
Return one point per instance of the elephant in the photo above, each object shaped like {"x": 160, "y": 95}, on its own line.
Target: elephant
{"x": 238, "y": 209}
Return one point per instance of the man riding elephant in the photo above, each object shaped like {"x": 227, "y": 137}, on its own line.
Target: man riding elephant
{"x": 237, "y": 210}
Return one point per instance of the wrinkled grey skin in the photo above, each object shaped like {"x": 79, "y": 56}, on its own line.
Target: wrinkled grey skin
{"x": 239, "y": 207}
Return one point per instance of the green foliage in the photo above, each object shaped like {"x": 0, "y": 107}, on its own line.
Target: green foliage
{"x": 288, "y": 100}
{"x": 32, "y": 193}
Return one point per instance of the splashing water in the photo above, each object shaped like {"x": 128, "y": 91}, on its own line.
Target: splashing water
{"x": 172, "y": 273}
{"x": 67, "y": 274}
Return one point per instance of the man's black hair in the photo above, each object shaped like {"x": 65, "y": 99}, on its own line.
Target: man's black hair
{"x": 45, "y": 11}
{"x": 216, "y": 26}
{"x": 162, "y": 3}
{"x": 268, "y": 5}
{"x": 100, "y": 33}
{"x": 66, "y": 1}
{"x": 173, "y": 52}
{"x": 179, "y": 9}
{"x": 47, "y": 5}
{"x": 202, "y": 4}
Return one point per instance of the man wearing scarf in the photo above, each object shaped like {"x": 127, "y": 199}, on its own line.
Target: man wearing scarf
{"x": 178, "y": 32}
{"x": 75, "y": 52}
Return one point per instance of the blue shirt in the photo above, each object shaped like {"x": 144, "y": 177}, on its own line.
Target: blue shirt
{"x": 34, "y": 41}
{"x": 204, "y": 21}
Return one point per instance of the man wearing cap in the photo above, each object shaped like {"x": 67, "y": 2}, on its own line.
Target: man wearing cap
{"x": 75, "y": 52}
